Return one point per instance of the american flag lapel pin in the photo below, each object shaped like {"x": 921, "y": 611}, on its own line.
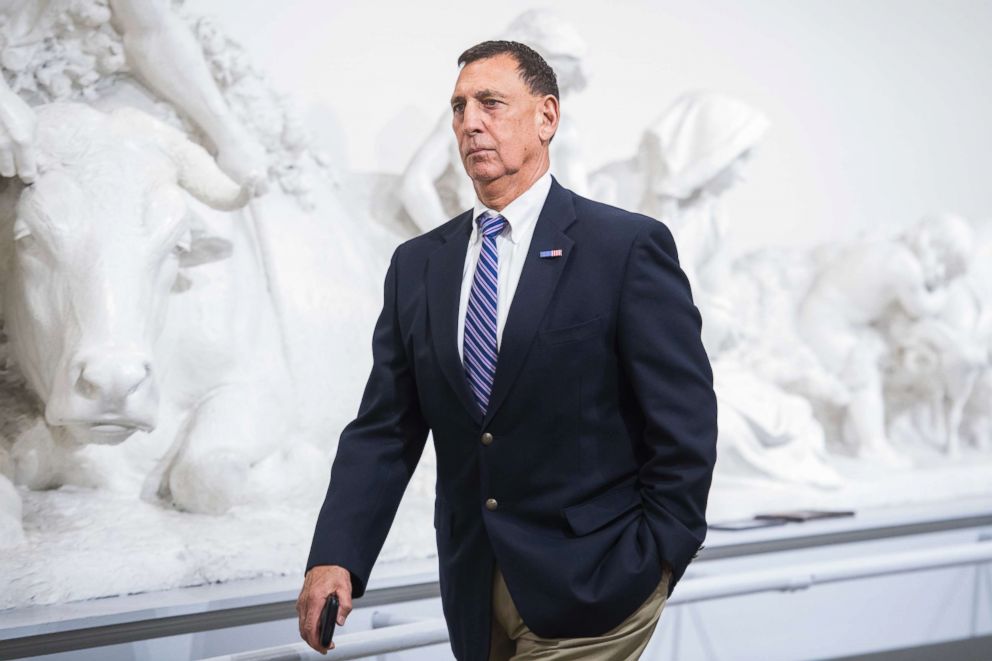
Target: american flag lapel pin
{"x": 550, "y": 254}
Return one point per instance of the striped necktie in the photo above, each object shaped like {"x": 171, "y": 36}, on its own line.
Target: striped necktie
{"x": 479, "y": 344}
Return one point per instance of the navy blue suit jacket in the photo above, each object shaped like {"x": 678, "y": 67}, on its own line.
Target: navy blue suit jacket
{"x": 602, "y": 420}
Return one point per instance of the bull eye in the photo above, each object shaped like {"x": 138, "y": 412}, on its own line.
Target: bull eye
{"x": 183, "y": 245}
{"x": 21, "y": 230}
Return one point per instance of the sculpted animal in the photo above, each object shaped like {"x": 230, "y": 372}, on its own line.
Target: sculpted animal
{"x": 134, "y": 311}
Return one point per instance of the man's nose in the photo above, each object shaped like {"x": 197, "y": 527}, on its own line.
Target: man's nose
{"x": 472, "y": 119}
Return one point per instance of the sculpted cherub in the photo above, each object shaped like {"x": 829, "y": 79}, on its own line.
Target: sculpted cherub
{"x": 859, "y": 288}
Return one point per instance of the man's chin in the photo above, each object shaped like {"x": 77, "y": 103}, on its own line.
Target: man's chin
{"x": 483, "y": 175}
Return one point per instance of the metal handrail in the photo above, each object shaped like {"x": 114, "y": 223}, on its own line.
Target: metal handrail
{"x": 429, "y": 631}
{"x": 408, "y": 633}
{"x": 803, "y": 576}
{"x": 79, "y": 631}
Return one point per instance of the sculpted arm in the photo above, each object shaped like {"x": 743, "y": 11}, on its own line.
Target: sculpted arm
{"x": 17, "y": 135}
{"x": 417, "y": 190}
{"x": 166, "y": 55}
{"x": 912, "y": 291}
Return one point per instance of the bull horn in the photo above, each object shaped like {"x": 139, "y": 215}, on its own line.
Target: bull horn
{"x": 196, "y": 170}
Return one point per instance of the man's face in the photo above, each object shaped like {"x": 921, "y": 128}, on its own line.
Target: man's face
{"x": 498, "y": 121}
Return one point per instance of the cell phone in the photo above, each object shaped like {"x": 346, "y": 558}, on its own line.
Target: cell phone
{"x": 328, "y": 618}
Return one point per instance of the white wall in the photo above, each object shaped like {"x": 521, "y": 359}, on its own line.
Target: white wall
{"x": 881, "y": 109}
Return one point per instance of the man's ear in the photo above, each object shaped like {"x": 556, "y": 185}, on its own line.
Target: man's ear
{"x": 549, "y": 113}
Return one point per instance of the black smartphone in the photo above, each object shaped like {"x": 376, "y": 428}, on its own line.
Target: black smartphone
{"x": 328, "y": 618}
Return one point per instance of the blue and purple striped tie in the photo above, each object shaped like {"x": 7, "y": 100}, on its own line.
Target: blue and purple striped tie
{"x": 479, "y": 344}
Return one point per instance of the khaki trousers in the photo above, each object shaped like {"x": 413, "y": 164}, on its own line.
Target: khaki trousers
{"x": 513, "y": 641}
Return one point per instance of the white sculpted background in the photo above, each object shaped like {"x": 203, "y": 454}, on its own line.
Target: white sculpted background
{"x": 188, "y": 291}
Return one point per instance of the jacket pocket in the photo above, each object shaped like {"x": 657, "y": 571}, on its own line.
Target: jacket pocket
{"x": 599, "y": 511}
{"x": 573, "y": 333}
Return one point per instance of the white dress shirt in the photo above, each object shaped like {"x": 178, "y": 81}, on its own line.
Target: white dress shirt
{"x": 512, "y": 245}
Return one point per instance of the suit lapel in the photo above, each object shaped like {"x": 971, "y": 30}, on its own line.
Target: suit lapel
{"x": 534, "y": 290}
{"x": 444, "y": 282}
{"x": 530, "y": 300}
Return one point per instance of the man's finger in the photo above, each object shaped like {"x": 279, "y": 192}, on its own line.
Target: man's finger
{"x": 311, "y": 633}
{"x": 344, "y": 605}
{"x": 306, "y": 614}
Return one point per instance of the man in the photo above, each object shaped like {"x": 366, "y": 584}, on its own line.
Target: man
{"x": 552, "y": 346}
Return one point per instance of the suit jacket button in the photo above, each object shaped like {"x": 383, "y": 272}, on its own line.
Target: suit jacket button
{"x": 491, "y": 504}
{"x": 487, "y": 439}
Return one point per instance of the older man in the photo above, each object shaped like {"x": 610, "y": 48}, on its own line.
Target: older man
{"x": 552, "y": 346}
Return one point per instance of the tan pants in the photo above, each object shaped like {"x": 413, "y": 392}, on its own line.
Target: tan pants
{"x": 513, "y": 641}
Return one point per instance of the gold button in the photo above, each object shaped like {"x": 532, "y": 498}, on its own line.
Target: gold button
{"x": 491, "y": 504}
{"x": 487, "y": 439}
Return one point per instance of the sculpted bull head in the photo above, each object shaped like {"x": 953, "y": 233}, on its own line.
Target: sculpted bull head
{"x": 89, "y": 254}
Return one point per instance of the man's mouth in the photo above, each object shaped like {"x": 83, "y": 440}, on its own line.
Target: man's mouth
{"x": 477, "y": 150}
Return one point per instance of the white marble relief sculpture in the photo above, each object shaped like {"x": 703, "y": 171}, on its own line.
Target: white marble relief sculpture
{"x": 862, "y": 286}
{"x": 20, "y": 416}
{"x": 124, "y": 316}
{"x": 970, "y": 307}
{"x": 185, "y": 71}
{"x": 235, "y": 316}
{"x": 932, "y": 368}
{"x": 63, "y": 49}
{"x": 768, "y": 379}
{"x": 324, "y": 263}
{"x": 936, "y": 369}
{"x": 434, "y": 187}
{"x": 687, "y": 159}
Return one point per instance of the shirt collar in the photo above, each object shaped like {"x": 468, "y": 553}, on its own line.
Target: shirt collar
{"x": 521, "y": 214}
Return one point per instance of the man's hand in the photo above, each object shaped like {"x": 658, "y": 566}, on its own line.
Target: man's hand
{"x": 319, "y": 582}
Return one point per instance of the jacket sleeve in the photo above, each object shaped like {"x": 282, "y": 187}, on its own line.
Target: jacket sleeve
{"x": 376, "y": 455}
{"x": 662, "y": 354}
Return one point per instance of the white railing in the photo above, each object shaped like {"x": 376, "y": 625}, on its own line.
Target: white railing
{"x": 803, "y": 576}
{"x": 394, "y": 634}
{"x": 405, "y": 635}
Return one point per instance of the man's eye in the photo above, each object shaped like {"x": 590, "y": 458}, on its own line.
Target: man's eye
{"x": 490, "y": 103}
{"x": 458, "y": 107}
